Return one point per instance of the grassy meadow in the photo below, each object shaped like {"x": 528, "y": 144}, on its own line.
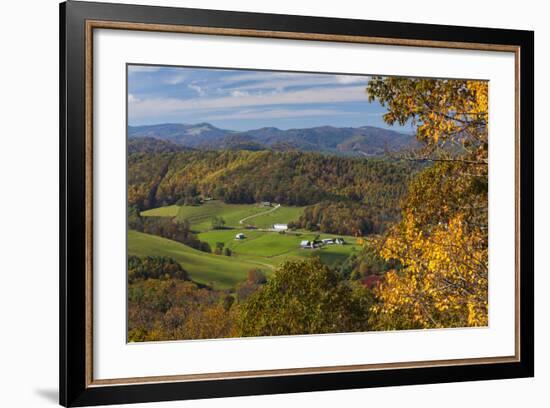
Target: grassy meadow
{"x": 260, "y": 249}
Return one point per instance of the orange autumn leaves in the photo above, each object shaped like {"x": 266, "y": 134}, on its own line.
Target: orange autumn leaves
{"x": 441, "y": 243}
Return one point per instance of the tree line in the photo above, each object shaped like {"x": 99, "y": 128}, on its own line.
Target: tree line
{"x": 302, "y": 297}
{"x": 291, "y": 178}
{"x": 166, "y": 227}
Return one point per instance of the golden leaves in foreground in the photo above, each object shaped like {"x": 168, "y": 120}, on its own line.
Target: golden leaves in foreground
{"x": 442, "y": 241}
{"x": 444, "y": 282}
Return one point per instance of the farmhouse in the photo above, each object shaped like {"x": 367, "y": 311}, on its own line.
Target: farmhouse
{"x": 280, "y": 227}
{"x": 306, "y": 244}
{"x": 331, "y": 241}
{"x": 310, "y": 244}
{"x": 240, "y": 235}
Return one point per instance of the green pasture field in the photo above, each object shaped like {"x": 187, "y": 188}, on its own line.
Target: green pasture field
{"x": 200, "y": 216}
{"x": 168, "y": 211}
{"x": 220, "y": 271}
{"x": 274, "y": 248}
{"x": 260, "y": 249}
{"x": 281, "y": 215}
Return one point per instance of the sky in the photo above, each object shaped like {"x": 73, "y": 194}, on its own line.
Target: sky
{"x": 248, "y": 99}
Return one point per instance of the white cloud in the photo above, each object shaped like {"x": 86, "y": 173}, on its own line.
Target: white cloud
{"x": 277, "y": 114}
{"x": 351, "y": 79}
{"x": 238, "y": 93}
{"x": 142, "y": 68}
{"x": 198, "y": 89}
{"x": 283, "y": 81}
{"x": 260, "y": 76}
{"x": 149, "y": 108}
{"x": 175, "y": 79}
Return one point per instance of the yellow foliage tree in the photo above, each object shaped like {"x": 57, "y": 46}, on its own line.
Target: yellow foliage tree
{"x": 444, "y": 281}
{"x": 441, "y": 242}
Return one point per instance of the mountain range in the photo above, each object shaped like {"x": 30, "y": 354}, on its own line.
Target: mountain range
{"x": 356, "y": 141}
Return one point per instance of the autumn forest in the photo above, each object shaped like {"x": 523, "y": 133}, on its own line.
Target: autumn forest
{"x": 326, "y": 229}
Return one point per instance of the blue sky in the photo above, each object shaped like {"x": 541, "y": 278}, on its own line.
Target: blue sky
{"x": 248, "y": 99}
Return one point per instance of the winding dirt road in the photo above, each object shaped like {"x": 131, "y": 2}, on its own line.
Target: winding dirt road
{"x": 262, "y": 213}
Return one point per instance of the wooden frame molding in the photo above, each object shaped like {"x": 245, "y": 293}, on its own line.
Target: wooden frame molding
{"x": 78, "y": 22}
{"x": 98, "y": 24}
{"x": 289, "y": 35}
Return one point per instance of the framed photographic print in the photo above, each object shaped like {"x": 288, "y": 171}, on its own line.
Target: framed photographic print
{"x": 255, "y": 203}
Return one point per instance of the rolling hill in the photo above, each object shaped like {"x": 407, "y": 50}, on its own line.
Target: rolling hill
{"x": 153, "y": 145}
{"x": 234, "y": 215}
{"x": 223, "y": 272}
{"x": 182, "y": 134}
{"x": 259, "y": 250}
{"x": 292, "y": 179}
{"x": 365, "y": 140}
{"x": 359, "y": 141}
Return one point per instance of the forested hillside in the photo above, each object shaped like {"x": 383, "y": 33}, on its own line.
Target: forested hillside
{"x": 288, "y": 178}
{"x": 153, "y": 145}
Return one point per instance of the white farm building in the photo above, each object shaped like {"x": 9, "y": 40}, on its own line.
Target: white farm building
{"x": 306, "y": 244}
{"x": 280, "y": 227}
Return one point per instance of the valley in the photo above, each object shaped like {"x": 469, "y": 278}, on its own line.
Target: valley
{"x": 259, "y": 248}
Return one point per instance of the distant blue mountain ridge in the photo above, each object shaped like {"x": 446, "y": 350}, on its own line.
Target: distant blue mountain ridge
{"x": 356, "y": 141}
